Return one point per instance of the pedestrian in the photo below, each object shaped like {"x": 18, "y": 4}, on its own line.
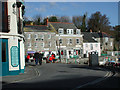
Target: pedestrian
{"x": 28, "y": 58}
{"x": 50, "y": 59}
{"x": 48, "y": 56}
{"x": 36, "y": 56}
{"x": 53, "y": 57}
{"x": 40, "y": 58}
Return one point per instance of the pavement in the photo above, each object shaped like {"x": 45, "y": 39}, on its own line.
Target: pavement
{"x": 29, "y": 73}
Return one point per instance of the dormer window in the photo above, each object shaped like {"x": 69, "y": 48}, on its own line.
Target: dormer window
{"x": 78, "y": 31}
{"x": 60, "y": 31}
{"x": 70, "y": 31}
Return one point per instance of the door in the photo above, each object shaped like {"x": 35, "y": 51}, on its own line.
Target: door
{"x": 4, "y": 54}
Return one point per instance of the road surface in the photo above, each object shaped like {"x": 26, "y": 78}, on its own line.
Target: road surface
{"x": 61, "y": 76}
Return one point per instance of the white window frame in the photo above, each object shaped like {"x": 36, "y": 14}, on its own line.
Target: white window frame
{"x": 60, "y": 31}
{"x": 28, "y": 36}
{"x": 61, "y": 41}
{"x": 78, "y": 31}
{"x": 35, "y": 36}
{"x": 36, "y": 44}
{"x": 76, "y": 40}
{"x": 42, "y": 44}
{"x": 49, "y": 36}
{"x": 29, "y": 44}
{"x": 70, "y": 31}
{"x": 91, "y": 46}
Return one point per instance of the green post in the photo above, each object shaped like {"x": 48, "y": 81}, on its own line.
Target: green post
{"x": 75, "y": 60}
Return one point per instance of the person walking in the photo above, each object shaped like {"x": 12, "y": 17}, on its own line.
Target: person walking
{"x": 53, "y": 57}
{"x": 36, "y": 56}
{"x": 40, "y": 58}
{"x": 28, "y": 58}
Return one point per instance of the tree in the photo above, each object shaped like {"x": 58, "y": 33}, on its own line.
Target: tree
{"x": 53, "y": 19}
{"x": 98, "y": 22}
{"x": 65, "y": 19}
{"x": 80, "y": 22}
{"x": 77, "y": 20}
{"x": 117, "y": 32}
{"x": 37, "y": 19}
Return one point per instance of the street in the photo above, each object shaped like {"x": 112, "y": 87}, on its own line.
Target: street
{"x": 60, "y": 76}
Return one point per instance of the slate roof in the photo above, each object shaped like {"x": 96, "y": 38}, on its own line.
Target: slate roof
{"x": 36, "y": 28}
{"x": 87, "y": 37}
{"x": 103, "y": 34}
{"x": 64, "y": 25}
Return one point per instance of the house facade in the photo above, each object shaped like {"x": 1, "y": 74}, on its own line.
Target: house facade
{"x": 90, "y": 43}
{"x": 69, "y": 39}
{"x": 11, "y": 37}
{"x": 106, "y": 42}
{"x": 39, "y": 38}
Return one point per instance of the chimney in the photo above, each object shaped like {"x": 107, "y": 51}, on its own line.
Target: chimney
{"x": 47, "y": 21}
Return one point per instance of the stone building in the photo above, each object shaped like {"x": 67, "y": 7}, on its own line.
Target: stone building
{"x": 39, "y": 38}
{"x": 69, "y": 39}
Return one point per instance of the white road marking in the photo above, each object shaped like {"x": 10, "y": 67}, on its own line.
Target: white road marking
{"x": 108, "y": 74}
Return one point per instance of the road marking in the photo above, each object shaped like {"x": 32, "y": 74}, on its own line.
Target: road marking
{"x": 108, "y": 74}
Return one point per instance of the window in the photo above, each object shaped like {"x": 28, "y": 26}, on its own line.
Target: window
{"x": 41, "y": 37}
{"x": 35, "y": 44}
{"x": 49, "y": 36}
{"x": 35, "y": 36}
{"x": 70, "y": 41}
{"x": 91, "y": 46}
{"x": 106, "y": 39}
{"x": 60, "y": 30}
{"x": 60, "y": 41}
{"x": 42, "y": 44}
{"x": 78, "y": 31}
{"x": 49, "y": 44}
{"x": 96, "y": 45}
{"x": 111, "y": 43}
{"x": 77, "y": 41}
{"x": 4, "y": 50}
{"x": 69, "y": 31}
{"x": 29, "y": 44}
{"x": 4, "y": 17}
{"x": 28, "y": 36}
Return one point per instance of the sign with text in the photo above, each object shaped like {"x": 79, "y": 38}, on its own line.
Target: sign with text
{"x": 14, "y": 56}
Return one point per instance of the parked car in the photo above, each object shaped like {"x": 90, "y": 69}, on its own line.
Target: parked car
{"x": 110, "y": 63}
{"x": 102, "y": 62}
{"x": 117, "y": 64}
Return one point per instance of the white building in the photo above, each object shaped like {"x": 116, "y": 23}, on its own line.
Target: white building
{"x": 11, "y": 37}
{"x": 90, "y": 44}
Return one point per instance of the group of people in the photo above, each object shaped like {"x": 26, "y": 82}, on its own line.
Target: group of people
{"x": 37, "y": 57}
{"x": 50, "y": 58}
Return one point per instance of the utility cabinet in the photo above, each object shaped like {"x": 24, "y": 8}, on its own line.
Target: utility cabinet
{"x": 93, "y": 59}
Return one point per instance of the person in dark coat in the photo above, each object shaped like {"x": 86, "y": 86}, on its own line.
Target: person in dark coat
{"x": 40, "y": 58}
{"x": 36, "y": 56}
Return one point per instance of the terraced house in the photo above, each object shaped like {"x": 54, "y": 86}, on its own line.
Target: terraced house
{"x": 39, "y": 38}
{"x": 11, "y": 37}
{"x": 69, "y": 39}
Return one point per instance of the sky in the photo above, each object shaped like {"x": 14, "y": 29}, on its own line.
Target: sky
{"x": 73, "y": 9}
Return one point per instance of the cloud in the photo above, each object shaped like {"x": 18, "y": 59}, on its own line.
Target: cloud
{"x": 42, "y": 8}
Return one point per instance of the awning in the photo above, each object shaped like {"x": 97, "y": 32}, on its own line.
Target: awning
{"x": 31, "y": 52}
